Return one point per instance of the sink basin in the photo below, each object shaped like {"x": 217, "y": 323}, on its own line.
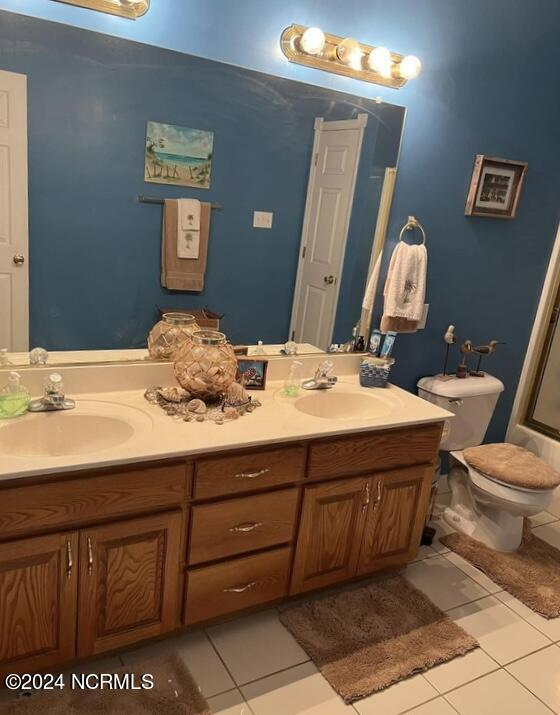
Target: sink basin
{"x": 93, "y": 426}
{"x": 335, "y": 404}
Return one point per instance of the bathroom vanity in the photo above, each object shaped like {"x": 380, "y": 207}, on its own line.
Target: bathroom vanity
{"x": 97, "y": 558}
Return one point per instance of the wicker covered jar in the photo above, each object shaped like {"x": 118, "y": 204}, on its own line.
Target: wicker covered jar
{"x": 169, "y": 335}
{"x": 206, "y": 365}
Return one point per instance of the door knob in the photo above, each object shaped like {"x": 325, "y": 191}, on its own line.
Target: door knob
{"x": 329, "y": 280}
{"x": 19, "y": 260}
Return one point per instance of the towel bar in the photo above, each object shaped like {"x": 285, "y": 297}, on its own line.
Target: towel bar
{"x": 413, "y": 222}
{"x": 152, "y": 200}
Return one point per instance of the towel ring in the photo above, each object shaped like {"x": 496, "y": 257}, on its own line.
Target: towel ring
{"x": 409, "y": 225}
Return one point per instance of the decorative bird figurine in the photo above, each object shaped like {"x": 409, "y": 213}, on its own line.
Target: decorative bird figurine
{"x": 466, "y": 349}
{"x": 481, "y": 351}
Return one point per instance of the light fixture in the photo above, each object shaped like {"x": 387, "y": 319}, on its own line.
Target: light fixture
{"x": 312, "y": 41}
{"x": 410, "y": 67}
{"x": 312, "y": 47}
{"x": 130, "y": 9}
{"x": 379, "y": 60}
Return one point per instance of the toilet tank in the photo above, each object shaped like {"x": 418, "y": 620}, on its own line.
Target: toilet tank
{"x": 471, "y": 399}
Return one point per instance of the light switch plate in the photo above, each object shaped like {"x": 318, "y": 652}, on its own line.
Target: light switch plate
{"x": 422, "y": 321}
{"x": 262, "y": 219}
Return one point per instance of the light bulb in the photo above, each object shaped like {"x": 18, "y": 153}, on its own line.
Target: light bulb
{"x": 379, "y": 61}
{"x": 349, "y": 52}
{"x": 312, "y": 41}
{"x": 410, "y": 67}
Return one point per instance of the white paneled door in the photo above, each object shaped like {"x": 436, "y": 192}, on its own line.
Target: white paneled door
{"x": 14, "y": 276}
{"x": 330, "y": 194}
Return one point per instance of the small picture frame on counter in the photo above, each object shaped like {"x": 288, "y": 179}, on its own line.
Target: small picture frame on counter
{"x": 495, "y": 187}
{"x": 252, "y": 373}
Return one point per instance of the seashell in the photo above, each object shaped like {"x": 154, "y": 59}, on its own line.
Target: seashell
{"x": 151, "y": 394}
{"x": 173, "y": 394}
{"x": 236, "y": 394}
{"x": 200, "y": 418}
{"x": 219, "y": 421}
{"x": 231, "y": 413}
{"x": 196, "y": 406}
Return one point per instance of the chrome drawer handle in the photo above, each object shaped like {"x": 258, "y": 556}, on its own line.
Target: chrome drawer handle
{"x": 69, "y": 560}
{"x": 241, "y": 589}
{"x": 89, "y": 557}
{"x": 249, "y": 526}
{"x": 251, "y": 475}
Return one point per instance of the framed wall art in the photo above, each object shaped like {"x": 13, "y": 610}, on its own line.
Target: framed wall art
{"x": 495, "y": 187}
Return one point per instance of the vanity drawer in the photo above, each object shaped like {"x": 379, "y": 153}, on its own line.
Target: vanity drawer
{"x": 92, "y": 496}
{"x": 217, "y": 476}
{"x": 236, "y": 584}
{"x": 237, "y": 526}
{"x": 375, "y": 451}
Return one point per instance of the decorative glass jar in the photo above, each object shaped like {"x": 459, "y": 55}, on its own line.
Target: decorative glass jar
{"x": 167, "y": 336}
{"x": 206, "y": 365}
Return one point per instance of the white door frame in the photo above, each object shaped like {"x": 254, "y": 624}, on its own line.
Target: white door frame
{"x": 320, "y": 125}
{"x": 518, "y": 432}
{"x": 14, "y": 203}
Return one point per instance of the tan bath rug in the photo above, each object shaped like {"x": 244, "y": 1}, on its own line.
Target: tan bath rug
{"x": 174, "y": 693}
{"x": 531, "y": 574}
{"x": 365, "y": 639}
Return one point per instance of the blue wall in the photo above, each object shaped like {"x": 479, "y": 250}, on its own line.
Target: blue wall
{"x": 489, "y": 85}
{"x": 95, "y": 252}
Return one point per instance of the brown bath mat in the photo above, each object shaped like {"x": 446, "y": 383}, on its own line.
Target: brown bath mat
{"x": 531, "y": 574}
{"x": 174, "y": 693}
{"x": 365, "y": 639}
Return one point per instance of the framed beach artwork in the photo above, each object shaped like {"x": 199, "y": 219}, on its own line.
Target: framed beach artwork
{"x": 495, "y": 187}
{"x": 178, "y": 155}
{"x": 252, "y": 373}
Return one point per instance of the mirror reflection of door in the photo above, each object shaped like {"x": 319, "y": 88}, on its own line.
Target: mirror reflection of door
{"x": 330, "y": 194}
{"x": 14, "y": 317}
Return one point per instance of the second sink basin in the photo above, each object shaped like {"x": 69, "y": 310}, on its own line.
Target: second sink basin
{"x": 93, "y": 426}
{"x": 337, "y": 404}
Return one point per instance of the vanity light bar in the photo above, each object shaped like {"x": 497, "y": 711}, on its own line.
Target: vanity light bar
{"x": 312, "y": 47}
{"x": 130, "y": 9}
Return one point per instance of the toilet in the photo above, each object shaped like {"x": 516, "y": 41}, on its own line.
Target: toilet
{"x": 487, "y": 508}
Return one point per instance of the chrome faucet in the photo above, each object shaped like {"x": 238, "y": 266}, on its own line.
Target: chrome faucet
{"x": 54, "y": 398}
{"x": 322, "y": 380}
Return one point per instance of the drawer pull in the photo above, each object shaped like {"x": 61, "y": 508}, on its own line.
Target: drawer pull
{"x": 89, "y": 557}
{"x": 249, "y": 526}
{"x": 251, "y": 475}
{"x": 69, "y": 561}
{"x": 241, "y": 589}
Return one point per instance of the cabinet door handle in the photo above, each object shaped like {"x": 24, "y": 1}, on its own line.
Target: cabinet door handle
{"x": 366, "y": 503}
{"x": 89, "y": 557}
{"x": 378, "y": 497}
{"x": 249, "y": 526}
{"x": 69, "y": 561}
{"x": 241, "y": 589}
{"x": 251, "y": 475}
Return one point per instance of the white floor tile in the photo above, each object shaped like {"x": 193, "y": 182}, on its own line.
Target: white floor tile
{"x": 473, "y": 572}
{"x": 424, "y": 552}
{"x": 459, "y": 671}
{"x": 230, "y": 703}
{"x": 439, "y": 706}
{"x": 198, "y": 655}
{"x": 399, "y": 697}
{"x": 495, "y": 694}
{"x": 442, "y": 528}
{"x": 544, "y": 517}
{"x": 549, "y": 626}
{"x": 301, "y": 690}
{"x": 540, "y": 673}
{"x": 256, "y": 646}
{"x": 550, "y": 533}
{"x": 445, "y": 584}
{"x": 503, "y": 634}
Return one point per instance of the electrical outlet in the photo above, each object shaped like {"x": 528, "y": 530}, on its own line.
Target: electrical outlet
{"x": 262, "y": 219}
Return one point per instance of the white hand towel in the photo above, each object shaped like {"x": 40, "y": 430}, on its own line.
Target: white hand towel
{"x": 188, "y": 228}
{"x": 371, "y": 288}
{"x": 405, "y": 287}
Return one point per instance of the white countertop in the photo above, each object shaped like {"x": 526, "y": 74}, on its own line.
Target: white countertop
{"x": 159, "y": 436}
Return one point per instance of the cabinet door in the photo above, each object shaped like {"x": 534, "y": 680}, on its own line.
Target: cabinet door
{"x": 395, "y": 517}
{"x": 38, "y": 596}
{"x": 129, "y": 581}
{"x": 330, "y": 532}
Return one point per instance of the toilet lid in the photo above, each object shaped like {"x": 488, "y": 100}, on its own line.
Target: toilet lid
{"x": 512, "y": 465}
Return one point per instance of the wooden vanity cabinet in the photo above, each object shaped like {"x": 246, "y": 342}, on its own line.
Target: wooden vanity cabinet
{"x": 129, "y": 582}
{"x": 38, "y": 602}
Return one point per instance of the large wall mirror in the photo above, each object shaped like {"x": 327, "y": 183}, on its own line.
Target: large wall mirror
{"x": 312, "y": 159}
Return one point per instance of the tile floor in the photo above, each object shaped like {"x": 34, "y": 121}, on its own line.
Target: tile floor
{"x": 253, "y": 666}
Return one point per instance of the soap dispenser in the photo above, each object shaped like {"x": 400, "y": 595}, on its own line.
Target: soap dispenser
{"x": 14, "y": 398}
